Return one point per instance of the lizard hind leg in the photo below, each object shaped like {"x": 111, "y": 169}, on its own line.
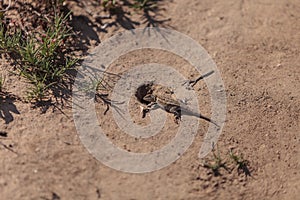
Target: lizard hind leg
{"x": 177, "y": 114}
{"x": 177, "y": 119}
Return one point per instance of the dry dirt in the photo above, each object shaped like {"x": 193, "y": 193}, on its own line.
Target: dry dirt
{"x": 256, "y": 46}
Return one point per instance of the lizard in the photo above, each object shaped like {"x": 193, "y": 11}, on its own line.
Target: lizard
{"x": 159, "y": 96}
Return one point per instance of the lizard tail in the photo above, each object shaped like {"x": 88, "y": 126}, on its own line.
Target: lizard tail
{"x": 208, "y": 119}
{"x": 200, "y": 116}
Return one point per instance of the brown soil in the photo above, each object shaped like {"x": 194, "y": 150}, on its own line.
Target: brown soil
{"x": 256, "y": 46}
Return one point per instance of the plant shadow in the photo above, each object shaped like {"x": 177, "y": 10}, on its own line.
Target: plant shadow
{"x": 7, "y": 107}
{"x": 84, "y": 33}
{"x": 61, "y": 94}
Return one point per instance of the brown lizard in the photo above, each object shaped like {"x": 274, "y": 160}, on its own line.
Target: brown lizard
{"x": 164, "y": 98}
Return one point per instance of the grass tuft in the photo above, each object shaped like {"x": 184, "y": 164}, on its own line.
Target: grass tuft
{"x": 216, "y": 164}
{"x": 41, "y": 60}
{"x": 241, "y": 163}
{"x": 144, "y": 4}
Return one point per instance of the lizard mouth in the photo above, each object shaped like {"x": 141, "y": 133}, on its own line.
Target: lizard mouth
{"x": 142, "y": 91}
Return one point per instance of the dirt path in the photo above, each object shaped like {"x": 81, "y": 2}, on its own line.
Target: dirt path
{"x": 256, "y": 47}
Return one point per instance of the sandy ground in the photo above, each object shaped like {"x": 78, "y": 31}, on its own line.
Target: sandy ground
{"x": 256, "y": 47}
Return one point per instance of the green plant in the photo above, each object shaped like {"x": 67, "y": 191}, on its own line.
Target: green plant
{"x": 37, "y": 91}
{"x": 242, "y": 164}
{"x": 41, "y": 60}
{"x": 9, "y": 43}
{"x": 216, "y": 164}
{"x": 98, "y": 87}
{"x": 144, "y": 4}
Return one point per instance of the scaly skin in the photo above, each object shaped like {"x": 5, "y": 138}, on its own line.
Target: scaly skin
{"x": 164, "y": 98}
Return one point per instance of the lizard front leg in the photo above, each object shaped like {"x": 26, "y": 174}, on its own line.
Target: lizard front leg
{"x": 146, "y": 109}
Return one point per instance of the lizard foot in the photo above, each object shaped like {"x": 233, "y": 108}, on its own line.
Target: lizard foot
{"x": 144, "y": 111}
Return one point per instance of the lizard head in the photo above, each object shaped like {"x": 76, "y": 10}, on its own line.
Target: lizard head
{"x": 142, "y": 91}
